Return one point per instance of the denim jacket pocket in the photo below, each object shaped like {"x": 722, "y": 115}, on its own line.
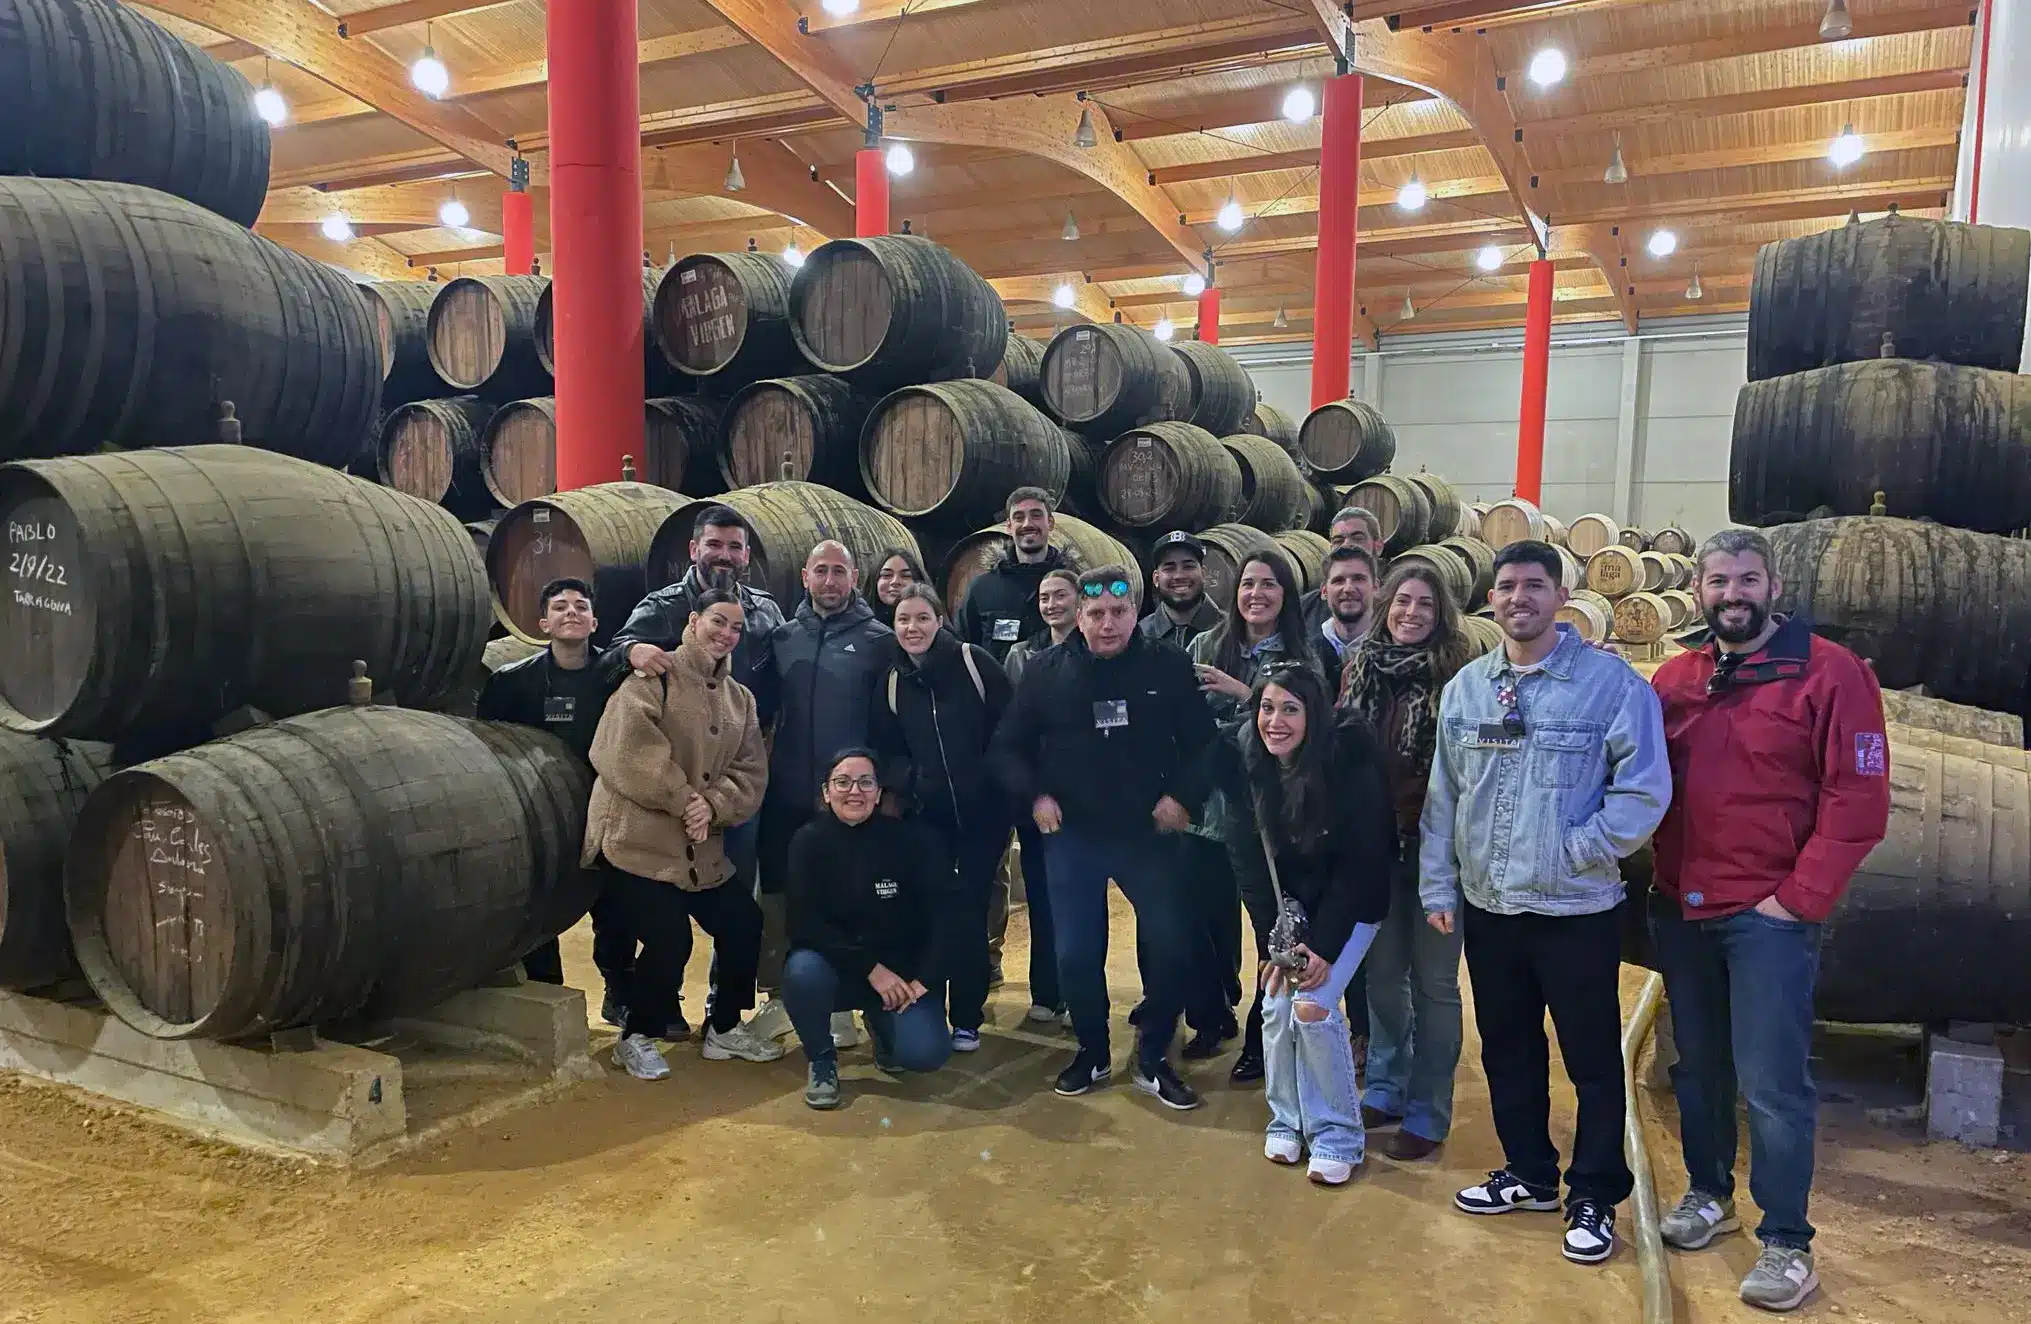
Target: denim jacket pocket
{"x": 1561, "y": 759}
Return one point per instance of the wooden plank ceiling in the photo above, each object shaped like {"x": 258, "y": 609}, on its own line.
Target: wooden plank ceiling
{"x": 1724, "y": 112}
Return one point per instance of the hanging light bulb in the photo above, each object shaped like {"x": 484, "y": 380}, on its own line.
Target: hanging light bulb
{"x": 1071, "y": 230}
{"x": 1693, "y": 291}
{"x": 1838, "y": 25}
{"x": 1299, "y": 104}
{"x": 1085, "y": 136}
{"x": 1195, "y": 285}
{"x": 1231, "y": 217}
{"x": 841, "y": 8}
{"x": 735, "y": 180}
{"x": 1064, "y": 296}
{"x": 454, "y": 214}
{"x": 1488, "y": 258}
{"x": 1663, "y": 243}
{"x": 1408, "y": 311}
{"x": 270, "y": 104}
{"x": 1548, "y": 67}
{"x": 1282, "y": 319}
{"x": 901, "y": 160}
{"x": 1847, "y": 149}
{"x": 1411, "y": 197}
{"x": 1618, "y": 169}
{"x": 1164, "y": 329}
{"x": 429, "y": 75}
{"x": 793, "y": 256}
{"x": 337, "y": 228}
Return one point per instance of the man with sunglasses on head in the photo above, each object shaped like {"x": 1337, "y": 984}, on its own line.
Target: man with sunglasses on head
{"x": 1105, "y": 745}
{"x": 1550, "y": 768}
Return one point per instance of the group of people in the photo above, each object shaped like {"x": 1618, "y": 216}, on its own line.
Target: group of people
{"x": 1337, "y": 765}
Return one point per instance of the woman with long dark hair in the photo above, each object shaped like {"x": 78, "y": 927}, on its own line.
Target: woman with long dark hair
{"x": 1323, "y": 824}
{"x": 1393, "y": 678}
{"x": 897, "y": 569}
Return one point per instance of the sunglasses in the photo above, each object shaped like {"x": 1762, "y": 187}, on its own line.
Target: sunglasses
{"x": 1512, "y": 720}
{"x": 1119, "y": 588}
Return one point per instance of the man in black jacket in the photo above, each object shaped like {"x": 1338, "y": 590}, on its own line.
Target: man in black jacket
{"x": 1178, "y": 574}
{"x": 1106, "y": 744}
{"x": 1001, "y": 605}
{"x": 1353, "y": 526}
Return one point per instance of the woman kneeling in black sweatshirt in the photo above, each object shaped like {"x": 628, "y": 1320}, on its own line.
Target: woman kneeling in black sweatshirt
{"x": 862, "y": 892}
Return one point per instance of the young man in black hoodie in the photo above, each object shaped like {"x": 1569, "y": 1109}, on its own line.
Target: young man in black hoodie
{"x": 1001, "y": 605}
{"x": 1105, "y": 743}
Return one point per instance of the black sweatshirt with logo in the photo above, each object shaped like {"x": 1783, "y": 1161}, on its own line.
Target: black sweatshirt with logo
{"x": 864, "y": 895}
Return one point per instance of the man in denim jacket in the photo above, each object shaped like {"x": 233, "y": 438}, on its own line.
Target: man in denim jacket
{"x": 1550, "y": 768}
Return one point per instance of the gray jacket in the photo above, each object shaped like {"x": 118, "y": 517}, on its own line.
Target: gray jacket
{"x": 1540, "y": 829}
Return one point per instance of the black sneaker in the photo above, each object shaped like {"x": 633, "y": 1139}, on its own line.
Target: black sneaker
{"x": 1206, "y": 1043}
{"x": 613, "y": 1012}
{"x": 1503, "y": 1193}
{"x": 679, "y": 1028}
{"x": 1248, "y": 1067}
{"x": 1590, "y": 1231}
{"x": 1085, "y": 1074}
{"x": 1163, "y": 1083}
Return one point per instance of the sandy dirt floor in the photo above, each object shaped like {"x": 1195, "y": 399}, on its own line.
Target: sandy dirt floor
{"x": 971, "y": 1195}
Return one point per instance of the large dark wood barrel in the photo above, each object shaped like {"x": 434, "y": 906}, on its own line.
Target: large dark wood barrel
{"x": 43, "y": 785}
{"x": 1939, "y": 289}
{"x": 432, "y": 449}
{"x": 1399, "y": 505}
{"x": 483, "y": 336}
{"x": 1107, "y": 378}
{"x": 1448, "y": 511}
{"x": 1274, "y": 493}
{"x": 519, "y": 447}
{"x": 357, "y": 861}
{"x": 1222, "y": 394}
{"x": 951, "y": 452}
{"x": 786, "y": 519}
{"x": 1086, "y": 546}
{"x": 129, "y": 315}
{"x": 1266, "y": 420}
{"x": 658, "y": 377}
{"x": 92, "y": 90}
{"x": 1022, "y": 368}
{"x": 1346, "y": 441}
{"x": 891, "y": 309}
{"x": 600, "y": 534}
{"x": 1169, "y": 475}
{"x": 401, "y": 312}
{"x": 725, "y": 317}
{"x": 1082, "y": 489}
{"x": 1228, "y": 548}
{"x": 172, "y": 586}
{"x": 680, "y": 441}
{"x": 812, "y": 422}
{"x": 1928, "y": 605}
{"x": 1940, "y": 441}
{"x": 1307, "y": 552}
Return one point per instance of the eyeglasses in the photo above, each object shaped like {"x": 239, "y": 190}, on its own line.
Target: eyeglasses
{"x": 1119, "y": 588}
{"x": 846, "y": 784}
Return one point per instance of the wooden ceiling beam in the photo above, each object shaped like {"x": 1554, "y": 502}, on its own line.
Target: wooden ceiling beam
{"x": 1833, "y": 200}
{"x": 288, "y": 232}
{"x": 368, "y": 257}
{"x": 1742, "y": 103}
{"x": 366, "y": 171}
{"x": 776, "y": 28}
{"x": 1088, "y": 300}
{"x": 776, "y": 179}
{"x": 383, "y": 17}
{"x": 406, "y": 204}
{"x": 1232, "y": 110}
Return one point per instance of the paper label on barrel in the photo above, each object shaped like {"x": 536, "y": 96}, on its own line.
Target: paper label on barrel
{"x": 539, "y": 517}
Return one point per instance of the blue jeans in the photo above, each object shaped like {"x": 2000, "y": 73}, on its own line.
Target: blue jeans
{"x": 1741, "y": 1006}
{"x": 1308, "y": 1066}
{"x": 1143, "y": 864}
{"x": 915, "y": 1039}
{"x": 1414, "y": 1018}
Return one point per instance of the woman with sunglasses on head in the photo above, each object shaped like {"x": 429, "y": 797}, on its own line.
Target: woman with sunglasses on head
{"x": 896, "y": 571}
{"x": 863, "y": 888}
{"x": 1394, "y": 677}
{"x": 1322, "y": 821}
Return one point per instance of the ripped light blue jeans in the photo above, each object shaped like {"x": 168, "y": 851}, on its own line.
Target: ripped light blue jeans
{"x": 1308, "y": 1066}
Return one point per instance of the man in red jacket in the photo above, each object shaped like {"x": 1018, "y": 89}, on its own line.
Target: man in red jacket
{"x": 1780, "y": 787}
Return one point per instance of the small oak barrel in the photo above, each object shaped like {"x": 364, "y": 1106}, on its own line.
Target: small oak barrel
{"x": 951, "y": 452}
{"x": 600, "y": 534}
{"x": 680, "y": 438}
{"x": 163, "y": 588}
{"x": 1656, "y": 571}
{"x": 1266, "y": 420}
{"x": 1939, "y": 289}
{"x": 1172, "y": 475}
{"x": 1107, "y": 378}
{"x": 1572, "y": 572}
{"x": 483, "y": 336}
{"x": 725, "y": 317}
{"x": 358, "y": 861}
{"x": 1641, "y": 618}
{"x": 519, "y": 446}
{"x": 891, "y": 309}
{"x": 1022, "y": 368}
{"x": 1483, "y": 634}
{"x": 1554, "y": 532}
{"x": 658, "y": 377}
{"x": 1085, "y": 546}
{"x": 1274, "y": 493}
{"x": 813, "y": 422}
{"x": 127, "y": 316}
{"x": 1222, "y": 394}
{"x": 93, "y": 90}
{"x": 1229, "y": 547}
{"x": 1513, "y": 520}
{"x": 1307, "y": 552}
{"x": 1614, "y": 571}
{"x": 1399, "y": 506}
{"x": 43, "y": 784}
{"x": 1680, "y": 571}
{"x": 1685, "y": 608}
{"x": 432, "y": 449}
{"x": 1635, "y": 539}
{"x": 1451, "y": 567}
{"x": 785, "y": 521}
{"x": 1941, "y": 441}
{"x": 1954, "y": 719}
{"x": 1590, "y": 533}
{"x": 1448, "y": 511}
{"x": 401, "y": 310}
{"x": 1590, "y": 618}
{"x": 1346, "y": 441}
{"x": 1671, "y": 539}
{"x": 1480, "y": 558}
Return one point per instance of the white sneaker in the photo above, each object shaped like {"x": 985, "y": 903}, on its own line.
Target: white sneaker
{"x": 1329, "y": 1172}
{"x": 1039, "y": 1012}
{"x": 637, "y": 1055}
{"x": 740, "y": 1042}
{"x": 770, "y": 1021}
{"x": 1287, "y": 1150}
{"x": 845, "y": 1034}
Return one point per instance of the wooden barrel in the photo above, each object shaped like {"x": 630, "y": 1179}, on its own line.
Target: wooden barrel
{"x": 130, "y": 314}
{"x": 891, "y": 309}
{"x": 785, "y": 521}
{"x": 164, "y": 588}
{"x": 43, "y": 784}
{"x": 482, "y": 531}
{"x": 1108, "y": 378}
{"x": 1599, "y": 600}
{"x": 1572, "y": 573}
{"x": 1346, "y": 441}
{"x": 725, "y": 317}
{"x": 483, "y": 336}
{"x": 358, "y": 861}
{"x": 1928, "y": 605}
{"x": 432, "y": 449}
{"x": 1307, "y": 551}
{"x": 1085, "y": 546}
{"x": 813, "y": 423}
{"x": 1274, "y": 493}
{"x": 401, "y": 312}
{"x": 1635, "y": 539}
{"x": 1641, "y": 618}
{"x": 96, "y": 91}
{"x": 1447, "y": 563}
{"x": 1483, "y": 634}
{"x": 1614, "y": 571}
{"x": 1554, "y": 532}
{"x": 518, "y": 460}
{"x": 1939, "y": 289}
{"x": 1480, "y": 558}
{"x": 658, "y": 377}
{"x": 1680, "y": 571}
{"x": 1685, "y": 608}
{"x": 1228, "y": 548}
{"x": 1590, "y": 618}
{"x": 680, "y": 441}
{"x": 1513, "y": 520}
{"x": 1671, "y": 538}
{"x": 1656, "y": 571}
{"x": 1953, "y": 719}
{"x": 1082, "y": 487}
{"x": 1941, "y": 442}
{"x": 1590, "y": 533}
{"x": 600, "y": 534}
{"x": 951, "y": 452}
{"x": 1268, "y": 421}
{"x": 1022, "y": 368}
{"x": 1399, "y": 505}
{"x": 1222, "y": 394}
{"x": 1169, "y": 475}
{"x": 1447, "y": 509}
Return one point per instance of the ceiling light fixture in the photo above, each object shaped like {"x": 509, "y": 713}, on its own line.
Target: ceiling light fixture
{"x": 1693, "y": 291}
{"x": 1064, "y": 296}
{"x": 337, "y": 228}
{"x": 1412, "y": 196}
{"x": 735, "y": 180}
{"x": 841, "y": 8}
{"x": 1663, "y": 243}
{"x": 1409, "y": 310}
{"x": 1071, "y": 230}
{"x": 1282, "y": 319}
{"x": 454, "y": 214}
{"x": 1231, "y": 217}
{"x": 1164, "y": 329}
{"x": 1838, "y": 25}
{"x": 1488, "y": 258}
{"x": 1299, "y": 104}
{"x": 1618, "y": 169}
{"x": 901, "y": 159}
{"x": 269, "y": 104}
{"x": 793, "y": 256}
{"x": 1548, "y": 67}
{"x": 429, "y": 75}
{"x": 1084, "y": 136}
{"x": 1847, "y": 149}
{"x": 1195, "y": 285}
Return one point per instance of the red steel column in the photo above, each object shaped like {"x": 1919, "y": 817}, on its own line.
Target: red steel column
{"x": 1209, "y": 316}
{"x": 596, "y": 233}
{"x": 518, "y": 232}
{"x": 870, "y": 193}
{"x": 1339, "y": 193}
{"x": 1536, "y": 373}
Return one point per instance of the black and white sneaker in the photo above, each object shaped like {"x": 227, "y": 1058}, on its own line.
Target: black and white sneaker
{"x": 1590, "y": 1231}
{"x": 1503, "y": 1193}
{"x": 1084, "y": 1075}
{"x": 1163, "y": 1083}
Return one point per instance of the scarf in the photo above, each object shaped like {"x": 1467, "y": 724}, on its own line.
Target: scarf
{"x": 1382, "y": 675}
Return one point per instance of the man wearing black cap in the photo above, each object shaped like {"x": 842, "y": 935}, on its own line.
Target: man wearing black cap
{"x": 1178, "y": 574}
